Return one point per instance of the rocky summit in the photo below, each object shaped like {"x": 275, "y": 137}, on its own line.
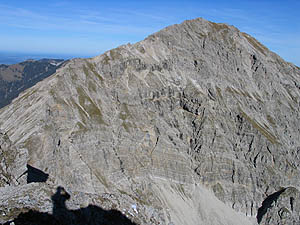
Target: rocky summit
{"x": 196, "y": 124}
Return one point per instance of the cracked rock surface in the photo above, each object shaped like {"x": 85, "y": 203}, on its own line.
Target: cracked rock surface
{"x": 196, "y": 124}
{"x": 12, "y": 163}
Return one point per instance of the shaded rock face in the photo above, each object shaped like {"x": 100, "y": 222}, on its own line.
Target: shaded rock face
{"x": 196, "y": 124}
{"x": 61, "y": 215}
{"x": 18, "y": 77}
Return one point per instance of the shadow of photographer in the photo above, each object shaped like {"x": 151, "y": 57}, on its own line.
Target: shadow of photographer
{"x": 61, "y": 215}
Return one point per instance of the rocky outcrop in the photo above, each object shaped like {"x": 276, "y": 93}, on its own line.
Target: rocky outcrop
{"x": 12, "y": 163}
{"x": 196, "y": 124}
{"x": 279, "y": 207}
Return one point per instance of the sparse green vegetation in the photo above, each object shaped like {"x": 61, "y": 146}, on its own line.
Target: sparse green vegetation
{"x": 218, "y": 26}
{"x": 245, "y": 93}
{"x": 90, "y": 107}
{"x": 255, "y": 43}
{"x": 100, "y": 177}
{"x": 218, "y": 191}
{"x": 257, "y": 97}
{"x": 81, "y": 127}
{"x": 106, "y": 59}
{"x": 232, "y": 91}
{"x": 260, "y": 128}
{"x": 142, "y": 199}
{"x": 141, "y": 49}
{"x": 29, "y": 93}
{"x": 291, "y": 106}
{"x": 81, "y": 112}
{"x": 92, "y": 86}
{"x": 271, "y": 120}
{"x": 180, "y": 189}
{"x": 115, "y": 54}
{"x": 242, "y": 93}
{"x": 92, "y": 68}
{"x": 219, "y": 92}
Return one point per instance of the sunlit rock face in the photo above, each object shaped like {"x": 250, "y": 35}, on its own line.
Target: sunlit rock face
{"x": 196, "y": 124}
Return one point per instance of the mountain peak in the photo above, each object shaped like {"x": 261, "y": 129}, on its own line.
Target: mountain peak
{"x": 196, "y": 120}
{"x": 199, "y": 29}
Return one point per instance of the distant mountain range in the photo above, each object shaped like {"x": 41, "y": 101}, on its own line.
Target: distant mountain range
{"x": 18, "y": 77}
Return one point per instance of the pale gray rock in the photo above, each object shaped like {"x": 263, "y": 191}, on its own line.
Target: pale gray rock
{"x": 194, "y": 111}
{"x": 12, "y": 163}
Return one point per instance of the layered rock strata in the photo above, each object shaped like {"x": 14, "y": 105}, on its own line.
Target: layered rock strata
{"x": 196, "y": 124}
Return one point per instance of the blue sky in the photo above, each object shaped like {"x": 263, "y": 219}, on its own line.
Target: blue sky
{"x": 90, "y": 27}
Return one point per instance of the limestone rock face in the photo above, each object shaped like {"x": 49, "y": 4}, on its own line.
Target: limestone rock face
{"x": 196, "y": 124}
{"x": 12, "y": 163}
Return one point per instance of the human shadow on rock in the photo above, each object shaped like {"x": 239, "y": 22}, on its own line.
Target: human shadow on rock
{"x": 61, "y": 215}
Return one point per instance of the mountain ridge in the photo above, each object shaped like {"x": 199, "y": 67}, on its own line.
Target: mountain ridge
{"x": 193, "y": 107}
{"x": 18, "y": 77}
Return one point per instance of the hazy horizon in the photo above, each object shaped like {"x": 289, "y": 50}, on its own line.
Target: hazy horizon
{"x": 17, "y": 57}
